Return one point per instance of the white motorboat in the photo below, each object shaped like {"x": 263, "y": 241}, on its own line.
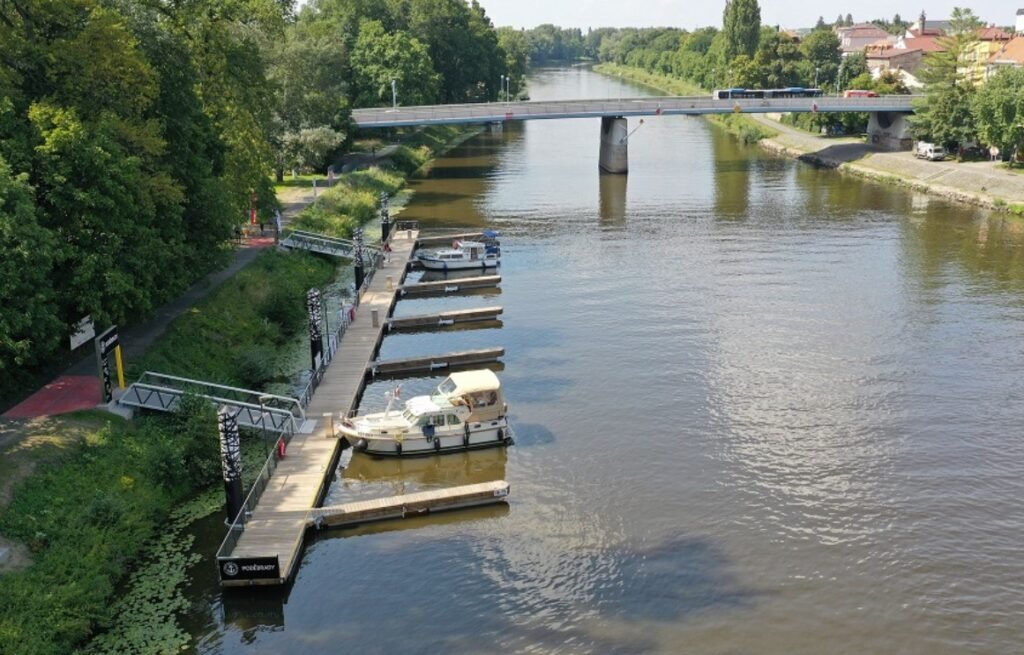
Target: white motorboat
{"x": 463, "y": 255}
{"x": 465, "y": 412}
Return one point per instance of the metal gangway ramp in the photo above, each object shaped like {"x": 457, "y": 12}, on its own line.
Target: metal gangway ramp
{"x": 162, "y": 393}
{"x": 326, "y": 245}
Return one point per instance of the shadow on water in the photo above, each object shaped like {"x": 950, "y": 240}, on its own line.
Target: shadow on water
{"x": 531, "y": 434}
{"x": 672, "y": 580}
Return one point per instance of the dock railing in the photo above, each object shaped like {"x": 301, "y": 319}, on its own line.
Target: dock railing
{"x": 259, "y": 485}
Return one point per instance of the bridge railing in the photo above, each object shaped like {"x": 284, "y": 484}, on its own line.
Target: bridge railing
{"x": 487, "y": 112}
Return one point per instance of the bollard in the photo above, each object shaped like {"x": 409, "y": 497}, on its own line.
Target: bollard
{"x": 408, "y": 234}
{"x": 374, "y": 318}
{"x": 329, "y": 419}
{"x": 391, "y": 283}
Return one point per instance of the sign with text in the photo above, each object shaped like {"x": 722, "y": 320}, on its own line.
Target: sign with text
{"x": 82, "y": 332}
{"x": 249, "y": 568}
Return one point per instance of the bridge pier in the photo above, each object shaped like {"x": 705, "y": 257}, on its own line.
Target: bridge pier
{"x": 614, "y": 157}
{"x": 889, "y": 130}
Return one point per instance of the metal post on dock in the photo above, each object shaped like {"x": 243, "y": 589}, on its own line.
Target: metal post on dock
{"x": 231, "y": 462}
{"x": 385, "y": 218}
{"x": 357, "y": 236}
{"x": 316, "y": 338}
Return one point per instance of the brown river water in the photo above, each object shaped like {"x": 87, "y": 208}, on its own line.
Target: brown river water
{"x": 760, "y": 408}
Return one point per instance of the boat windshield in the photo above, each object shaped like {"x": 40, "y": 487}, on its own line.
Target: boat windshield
{"x": 446, "y": 388}
{"x": 409, "y": 416}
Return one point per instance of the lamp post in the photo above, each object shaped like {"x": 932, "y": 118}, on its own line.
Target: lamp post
{"x": 394, "y": 94}
{"x": 263, "y": 421}
{"x": 815, "y": 77}
{"x": 501, "y": 88}
{"x": 508, "y": 88}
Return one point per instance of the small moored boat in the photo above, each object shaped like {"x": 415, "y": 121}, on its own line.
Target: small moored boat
{"x": 465, "y": 412}
{"x": 463, "y": 255}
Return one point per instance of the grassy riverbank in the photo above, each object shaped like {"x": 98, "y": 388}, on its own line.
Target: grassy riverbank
{"x": 355, "y": 197}
{"x": 104, "y": 502}
{"x": 86, "y": 515}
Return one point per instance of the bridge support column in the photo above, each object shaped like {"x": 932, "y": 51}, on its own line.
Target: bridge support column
{"x": 614, "y": 157}
{"x": 889, "y": 130}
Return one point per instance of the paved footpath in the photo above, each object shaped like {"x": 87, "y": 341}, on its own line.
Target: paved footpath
{"x": 79, "y": 386}
{"x": 979, "y": 182}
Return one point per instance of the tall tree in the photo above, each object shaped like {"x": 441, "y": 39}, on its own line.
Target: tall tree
{"x": 380, "y": 57}
{"x": 822, "y": 56}
{"x": 944, "y": 115}
{"x": 741, "y": 28}
{"x": 999, "y": 111}
{"x": 29, "y": 327}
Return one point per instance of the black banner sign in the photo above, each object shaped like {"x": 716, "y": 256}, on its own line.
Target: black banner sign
{"x": 249, "y": 568}
{"x": 316, "y": 339}
{"x": 105, "y": 344}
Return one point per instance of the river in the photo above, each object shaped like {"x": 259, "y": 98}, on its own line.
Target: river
{"x": 759, "y": 407}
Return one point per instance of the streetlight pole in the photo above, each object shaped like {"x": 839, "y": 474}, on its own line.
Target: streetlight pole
{"x": 394, "y": 94}
{"x": 263, "y": 422}
{"x": 815, "y": 77}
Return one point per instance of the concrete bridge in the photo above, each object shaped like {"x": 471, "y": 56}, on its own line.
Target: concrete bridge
{"x": 887, "y": 126}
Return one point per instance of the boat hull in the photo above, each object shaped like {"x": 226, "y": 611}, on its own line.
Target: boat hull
{"x": 458, "y": 265}
{"x": 493, "y": 434}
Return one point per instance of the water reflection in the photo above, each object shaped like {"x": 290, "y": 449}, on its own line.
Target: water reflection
{"x": 613, "y": 200}
{"x": 369, "y": 477}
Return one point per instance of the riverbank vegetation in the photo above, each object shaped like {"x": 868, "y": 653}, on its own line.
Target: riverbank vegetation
{"x": 354, "y": 199}
{"x": 86, "y": 517}
{"x": 135, "y": 137}
{"x": 233, "y": 336}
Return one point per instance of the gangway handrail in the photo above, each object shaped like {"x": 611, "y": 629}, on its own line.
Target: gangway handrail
{"x": 287, "y": 400}
{"x": 286, "y": 416}
{"x": 326, "y": 237}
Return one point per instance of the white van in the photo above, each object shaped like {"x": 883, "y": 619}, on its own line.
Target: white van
{"x": 929, "y": 151}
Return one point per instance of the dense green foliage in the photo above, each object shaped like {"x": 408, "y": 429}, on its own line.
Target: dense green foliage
{"x": 355, "y": 197}
{"x": 999, "y": 111}
{"x": 135, "y": 135}
{"x": 741, "y": 26}
{"x": 944, "y": 116}
{"x": 87, "y": 517}
{"x": 131, "y": 136}
{"x": 234, "y": 336}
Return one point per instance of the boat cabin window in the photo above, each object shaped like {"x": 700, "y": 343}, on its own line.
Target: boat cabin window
{"x": 431, "y": 419}
{"x": 484, "y": 398}
{"x": 409, "y": 416}
{"x": 453, "y": 419}
{"x": 446, "y": 387}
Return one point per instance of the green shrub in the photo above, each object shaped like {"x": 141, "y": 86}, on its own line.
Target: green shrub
{"x": 255, "y": 367}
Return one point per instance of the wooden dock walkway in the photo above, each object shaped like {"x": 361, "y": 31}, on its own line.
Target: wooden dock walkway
{"x": 414, "y": 504}
{"x": 453, "y": 285}
{"x": 442, "y": 319}
{"x": 277, "y": 525}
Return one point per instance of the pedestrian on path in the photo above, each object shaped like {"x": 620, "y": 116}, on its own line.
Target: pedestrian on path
{"x": 387, "y": 252}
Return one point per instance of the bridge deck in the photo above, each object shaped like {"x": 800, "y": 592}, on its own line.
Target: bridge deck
{"x": 278, "y": 523}
{"x": 654, "y": 106}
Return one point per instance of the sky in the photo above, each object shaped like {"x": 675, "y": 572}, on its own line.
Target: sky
{"x": 690, "y": 14}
